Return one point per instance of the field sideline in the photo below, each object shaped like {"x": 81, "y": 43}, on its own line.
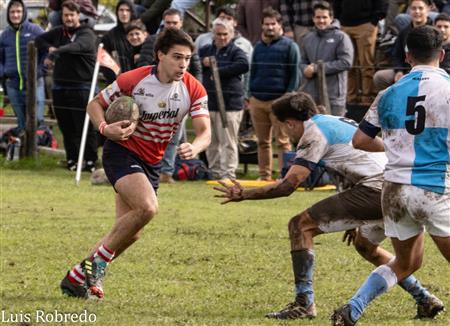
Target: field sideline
{"x": 198, "y": 263}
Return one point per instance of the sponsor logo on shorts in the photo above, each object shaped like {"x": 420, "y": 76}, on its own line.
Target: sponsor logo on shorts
{"x": 135, "y": 166}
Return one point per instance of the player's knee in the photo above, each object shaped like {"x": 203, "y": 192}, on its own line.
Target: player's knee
{"x": 364, "y": 250}
{"x": 294, "y": 225}
{"x": 301, "y": 223}
{"x": 147, "y": 212}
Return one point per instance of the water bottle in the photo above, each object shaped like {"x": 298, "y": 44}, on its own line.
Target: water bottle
{"x": 13, "y": 150}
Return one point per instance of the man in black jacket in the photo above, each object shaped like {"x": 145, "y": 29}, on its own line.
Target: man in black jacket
{"x": 72, "y": 50}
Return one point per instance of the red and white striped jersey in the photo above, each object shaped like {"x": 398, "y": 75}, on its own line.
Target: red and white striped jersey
{"x": 162, "y": 108}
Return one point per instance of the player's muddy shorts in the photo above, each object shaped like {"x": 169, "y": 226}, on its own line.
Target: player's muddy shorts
{"x": 409, "y": 210}
{"x": 350, "y": 209}
{"x": 118, "y": 162}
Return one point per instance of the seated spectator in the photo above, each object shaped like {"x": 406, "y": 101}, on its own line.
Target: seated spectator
{"x": 232, "y": 62}
{"x": 136, "y": 35}
{"x": 442, "y": 23}
{"x": 419, "y": 16}
{"x": 335, "y": 49}
{"x": 115, "y": 41}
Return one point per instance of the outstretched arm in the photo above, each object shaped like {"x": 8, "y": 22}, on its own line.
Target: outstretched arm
{"x": 282, "y": 188}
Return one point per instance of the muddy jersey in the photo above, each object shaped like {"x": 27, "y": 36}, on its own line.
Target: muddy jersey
{"x": 327, "y": 142}
{"x": 414, "y": 116}
{"x": 161, "y": 108}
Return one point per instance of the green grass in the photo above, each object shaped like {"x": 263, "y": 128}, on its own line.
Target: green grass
{"x": 198, "y": 263}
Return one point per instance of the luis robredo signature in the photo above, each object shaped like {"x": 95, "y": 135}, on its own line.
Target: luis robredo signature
{"x": 42, "y": 316}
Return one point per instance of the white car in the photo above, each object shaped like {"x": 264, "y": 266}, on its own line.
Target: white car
{"x": 106, "y": 20}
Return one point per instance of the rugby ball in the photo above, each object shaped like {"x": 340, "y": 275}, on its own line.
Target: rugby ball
{"x": 122, "y": 108}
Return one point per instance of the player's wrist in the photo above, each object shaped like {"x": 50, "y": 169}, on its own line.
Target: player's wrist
{"x": 101, "y": 127}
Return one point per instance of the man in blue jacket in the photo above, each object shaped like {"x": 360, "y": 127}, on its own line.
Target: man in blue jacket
{"x": 274, "y": 72}
{"x": 13, "y": 62}
{"x": 222, "y": 153}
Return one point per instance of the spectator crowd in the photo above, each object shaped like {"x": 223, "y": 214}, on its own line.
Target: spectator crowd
{"x": 260, "y": 49}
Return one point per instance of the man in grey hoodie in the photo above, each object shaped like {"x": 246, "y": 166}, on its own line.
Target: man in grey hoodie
{"x": 327, "y": 43}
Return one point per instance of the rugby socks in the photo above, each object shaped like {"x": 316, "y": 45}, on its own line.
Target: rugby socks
{"x": 104, "y": 254}
{"x": 303, "y": 266}
{"x": 378, "y": 282}
{"x": 76, "y": 275}
{"x": 413, "y": 287}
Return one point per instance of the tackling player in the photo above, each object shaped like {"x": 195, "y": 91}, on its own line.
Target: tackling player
{"x": 165, "y": 94}
{"x": 326, "y": 141}
{"x": 414, "y": 117}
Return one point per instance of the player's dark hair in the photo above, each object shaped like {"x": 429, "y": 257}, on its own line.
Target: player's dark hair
{"x": 442, "y": 16}
{"x": 169, "y": 38}
{"x": 269, "y": 12}
{"x": 424, "y": 43}
{"x": 70, "y": 5}
{"x": 172, "y": 12}
{"x": 322, "y": 5}
{"x": 227, "y": 10}
{"x": 294, "y": 105}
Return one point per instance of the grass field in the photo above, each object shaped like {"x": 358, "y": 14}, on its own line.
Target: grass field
{"x": 198, "y": 263}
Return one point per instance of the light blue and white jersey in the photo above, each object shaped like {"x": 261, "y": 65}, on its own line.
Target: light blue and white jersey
{"x": 327, "y": 142}
{"x": 414, "y": 116}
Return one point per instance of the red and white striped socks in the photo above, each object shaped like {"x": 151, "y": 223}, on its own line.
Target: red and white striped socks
{"x": 104, "y": 253}
{"x": 77, "y": 274}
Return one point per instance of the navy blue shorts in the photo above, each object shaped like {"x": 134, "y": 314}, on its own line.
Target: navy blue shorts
{"x": 118, "y": 162}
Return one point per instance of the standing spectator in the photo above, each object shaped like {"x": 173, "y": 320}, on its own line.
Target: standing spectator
{"x": 274, "y": 71}
{"x": 297, "y": 18}
{"x": 335, "y": 49}
{"x": 250, "y": 14}
{"x": 442, "y": 23}
{"x": 153, "y": 14}
{"x": 419, "y": 16}
{"x": 13, "y": 62}
{"x": 136, "y": 35}
{"x": 359, "y": 19}
{"x": 229, "y": 13}
{"x": 88, "y": 12}
{"x": 226, "y": 13}
{"x": 72, "y": 49}
{"x": 232, "y": 62}
{"x": 172, "y": 20}
{"x": 115, "y": 41}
